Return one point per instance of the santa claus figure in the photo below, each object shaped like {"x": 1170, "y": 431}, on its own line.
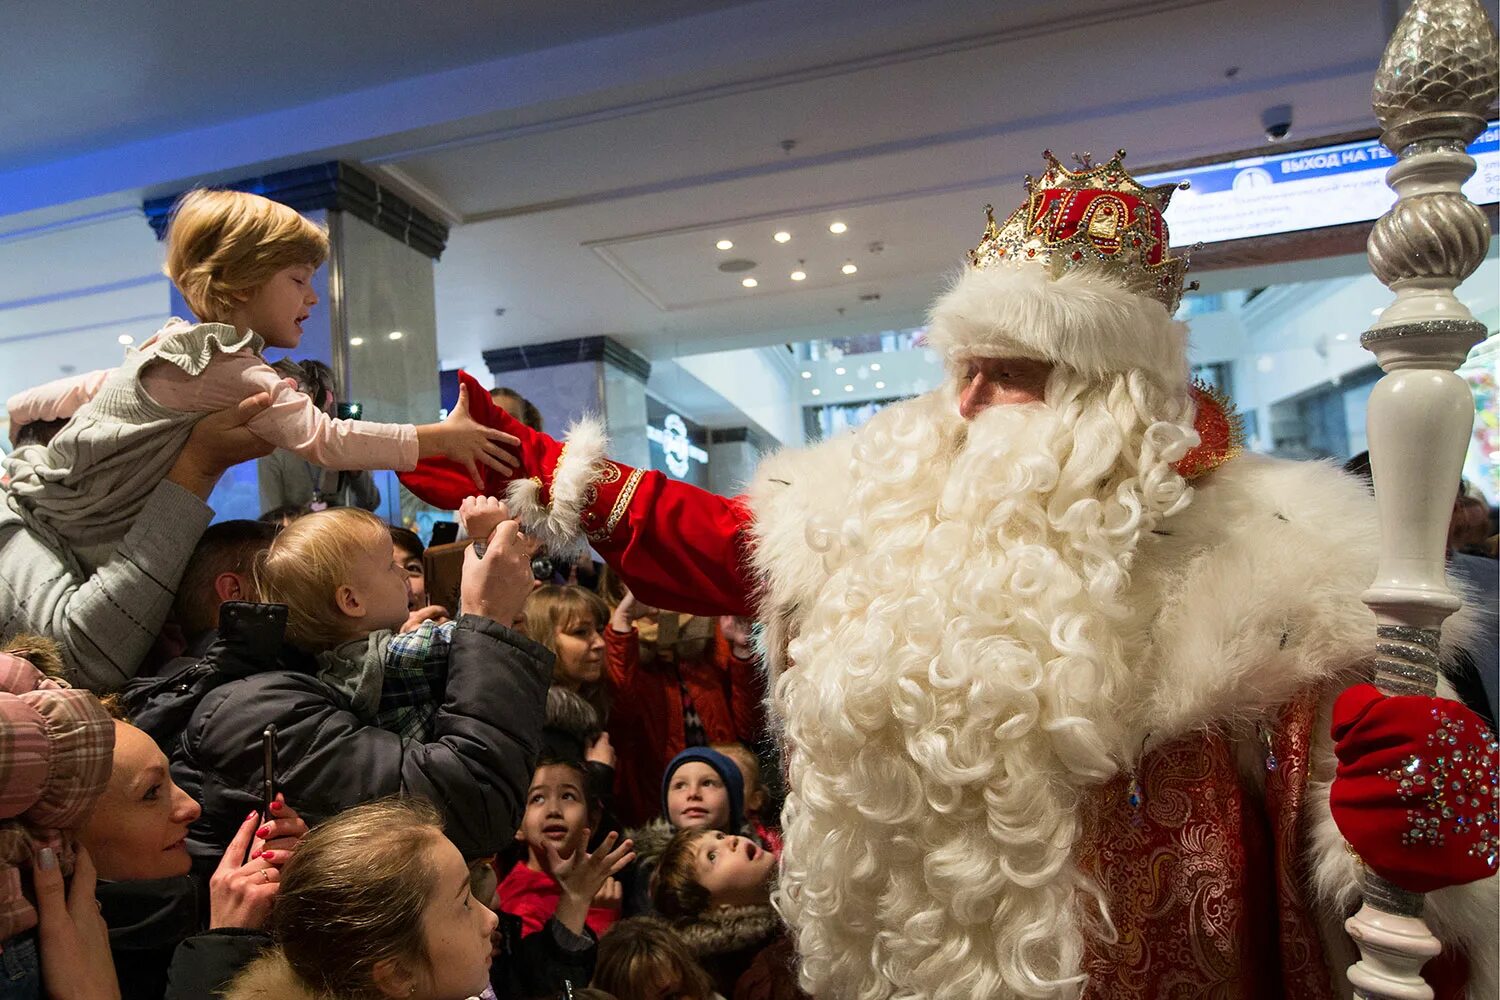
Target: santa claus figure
{"x": 1058, "y": 670}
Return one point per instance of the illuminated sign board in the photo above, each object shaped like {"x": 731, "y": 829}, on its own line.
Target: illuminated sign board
{"x": 1308, "y": 189}
{"x": 676, "y": 445}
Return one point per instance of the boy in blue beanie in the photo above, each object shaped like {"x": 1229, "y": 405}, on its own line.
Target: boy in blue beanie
{"x": 703, "y": 789}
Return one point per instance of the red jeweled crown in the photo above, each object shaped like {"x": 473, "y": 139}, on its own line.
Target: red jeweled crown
{"x": 1097, "y": 217}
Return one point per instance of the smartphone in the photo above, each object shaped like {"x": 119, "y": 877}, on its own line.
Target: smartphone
{"x": 268, "y": 773}
{"x": 444, "y": 532}
{"x": 351, "y": 411}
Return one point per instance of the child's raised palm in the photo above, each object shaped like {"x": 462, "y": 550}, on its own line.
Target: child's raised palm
{"x": 471, "y": 444}
{"x": 581, "y": 875}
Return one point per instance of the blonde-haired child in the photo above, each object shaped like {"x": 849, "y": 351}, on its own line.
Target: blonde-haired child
{"x": 245, "y": 265}
{"x": 346, "y": 600}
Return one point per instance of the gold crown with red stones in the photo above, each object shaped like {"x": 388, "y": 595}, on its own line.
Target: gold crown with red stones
{"x": 1096, "y": 217}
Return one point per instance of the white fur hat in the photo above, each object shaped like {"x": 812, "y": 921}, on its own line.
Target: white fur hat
{"x": 1082, "y": 318}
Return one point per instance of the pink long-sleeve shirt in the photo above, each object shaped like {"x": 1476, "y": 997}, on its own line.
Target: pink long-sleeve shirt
{"x": 292, "y": 421}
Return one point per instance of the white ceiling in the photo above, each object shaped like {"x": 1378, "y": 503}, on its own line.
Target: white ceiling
{"x": 590, "y": 153}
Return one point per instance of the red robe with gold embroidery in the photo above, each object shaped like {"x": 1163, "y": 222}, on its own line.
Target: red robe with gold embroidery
{"x": 1207, "y": 873}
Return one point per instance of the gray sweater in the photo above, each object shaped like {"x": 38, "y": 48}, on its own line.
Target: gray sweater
{"x": 105, "y": 624}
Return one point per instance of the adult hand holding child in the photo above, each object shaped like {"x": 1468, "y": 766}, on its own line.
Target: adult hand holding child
{"x": 495, "y": 584}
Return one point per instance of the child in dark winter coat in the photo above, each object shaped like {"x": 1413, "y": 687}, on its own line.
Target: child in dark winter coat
{"x": 451, "y": 713}
{"x": 716, "y": 890}
{"x": 556, "y": 824}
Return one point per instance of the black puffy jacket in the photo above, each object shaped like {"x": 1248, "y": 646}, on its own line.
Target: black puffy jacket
{"x": 208, "y": 717}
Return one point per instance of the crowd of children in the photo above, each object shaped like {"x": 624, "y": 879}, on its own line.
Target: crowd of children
{"x": 280, "y": 768}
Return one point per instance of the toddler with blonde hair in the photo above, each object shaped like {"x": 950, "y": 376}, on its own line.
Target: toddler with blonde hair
{"x": 245, "y": 266}
{"x": 346, "y": 597}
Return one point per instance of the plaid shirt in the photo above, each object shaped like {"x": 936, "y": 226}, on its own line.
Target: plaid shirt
{"x": 416, "y": 675}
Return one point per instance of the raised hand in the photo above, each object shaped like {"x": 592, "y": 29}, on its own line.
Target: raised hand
{"x": 495, "y": 585}
{"x": 581, "y": 875}
{"x": 600, "y": 751}
{"x": 628, "y": 611}
{"x": 464, "y": 440}
{"x": 431, "y": 613}
{"x": 71, "y": 935}
{"x": 611, "y": 895}
{"x": 240, "y": 894}
{"x": 219, "y": 441}
{"x": 480, "y": 516}
{"x": 279, "y": 835}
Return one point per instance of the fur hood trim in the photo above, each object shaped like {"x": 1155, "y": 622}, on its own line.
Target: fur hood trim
{"x": 270, "y": 978}
{"x": 556, "y": 524}
{"x": 651, "y": 840}
{"x": 728, "y": 930}
{"x": 1082, "y": 319}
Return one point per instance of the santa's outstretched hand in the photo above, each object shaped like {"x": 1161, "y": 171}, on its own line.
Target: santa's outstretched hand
{"x": 1415, "y": 794}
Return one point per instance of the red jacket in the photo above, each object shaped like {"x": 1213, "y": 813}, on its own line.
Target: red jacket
{"x": 533, "y": 896}
{"x": 645, "y": 715}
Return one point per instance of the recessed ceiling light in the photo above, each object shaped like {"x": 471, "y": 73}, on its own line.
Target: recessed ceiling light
{"x": 749, "y": 282}
{"x": 880, "y": 385}
{"x": 725, "y": 244}
{"x": 1341, "y": 336}
{"x": 807, "y": 374}
{"x": 875, "y": 367}
{"x": 782, "y": 237}
{"x": 125, "y": 339}
{"x": 838, "y": 228}
{"x": 849, "y": 268}
{"x": 848, "y": 388}
{"x": 838, "y": 371}
{"x": 356, "y": 341}
{"x": 799, "y": 275}
{"x": 394, "y": 335}
{"x": 817, "y": 392}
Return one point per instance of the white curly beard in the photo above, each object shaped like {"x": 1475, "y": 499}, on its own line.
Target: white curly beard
{"x": 948, "y": 703}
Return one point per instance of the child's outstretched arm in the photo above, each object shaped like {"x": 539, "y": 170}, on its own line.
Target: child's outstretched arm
{"x": 55, "y": 400}
{"x": 293, "y": 422}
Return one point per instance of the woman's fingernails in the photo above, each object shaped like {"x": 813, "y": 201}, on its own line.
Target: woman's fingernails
{"x": 255, "y": 854}
{"x": 47, "y": 859}
{"x": 251, "y": 816}
{"x": 277, "y": 806}
{"x": 268, "y": 855}
{"x": 264, "y": 832}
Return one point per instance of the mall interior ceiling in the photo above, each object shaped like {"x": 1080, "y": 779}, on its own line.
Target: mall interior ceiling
{"x": 590, "y": 155}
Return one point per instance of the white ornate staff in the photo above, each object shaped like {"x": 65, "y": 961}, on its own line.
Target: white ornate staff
{"x": 1433, "y": 91}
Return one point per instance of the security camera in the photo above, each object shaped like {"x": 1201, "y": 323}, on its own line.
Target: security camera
{"x": 1277, "y": 122}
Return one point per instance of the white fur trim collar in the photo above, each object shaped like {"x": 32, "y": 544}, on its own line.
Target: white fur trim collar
{"x": 556, "y": 524}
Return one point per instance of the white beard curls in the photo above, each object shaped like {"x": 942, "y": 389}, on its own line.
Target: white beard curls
{"x": 949, "y": 700}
